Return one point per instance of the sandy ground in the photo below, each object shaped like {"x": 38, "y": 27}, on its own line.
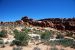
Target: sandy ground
{"x": 41, "y": 46}
{"x": 32, "y": 46}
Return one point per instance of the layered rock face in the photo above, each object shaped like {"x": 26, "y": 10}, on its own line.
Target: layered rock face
{"x": 62, "y": 24}
{"x": 57, "y": 23}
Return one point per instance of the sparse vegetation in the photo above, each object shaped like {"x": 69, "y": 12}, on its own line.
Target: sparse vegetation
{"x": 25, "y": 30}
{"x": 21, "y": 38}
{"x": 3, "y": 33}
{"x": 69, "y": 34}
{"x": 2, "y": 43}
{"x": 59, "y": 36}
{"x": 63, "y": 42}
{"x": 46, "y": 35}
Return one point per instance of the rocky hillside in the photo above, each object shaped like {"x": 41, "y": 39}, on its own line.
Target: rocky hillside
{"x": 57, "y": 23}
{"x": 62, "y": 24}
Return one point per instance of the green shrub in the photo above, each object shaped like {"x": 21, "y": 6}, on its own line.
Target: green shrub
{"x": 16, "y": 42}
{"x": 21, "y": 38}
{"x": 46, "y": 35}
{"x": 1, "y": 41}
{"x": 59, "y": 36}
{"x": 26, "y": 30}
{"x": 3, "y": 33}
{"x": 66, "y": 42}
{"x": 63, "y": 42}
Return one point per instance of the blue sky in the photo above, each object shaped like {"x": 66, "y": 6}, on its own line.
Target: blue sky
{"x": 11, "y": 10}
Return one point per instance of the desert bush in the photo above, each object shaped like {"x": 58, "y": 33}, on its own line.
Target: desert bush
{"x": 1, "y": 41}
{"x": 59, "y": 36}
{"x": 26, "y": 30}
{"x": 69, "y": 34}
{"x": 46, "y": 35}
{"x": 21, "y": 38}
{"x": 15, "y": 42}
{"x": 3, "y": 33}
{"x": 64, "y": 42}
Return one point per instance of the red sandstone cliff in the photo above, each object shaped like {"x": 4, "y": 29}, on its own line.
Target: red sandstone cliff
{"x": 57, "y": 23}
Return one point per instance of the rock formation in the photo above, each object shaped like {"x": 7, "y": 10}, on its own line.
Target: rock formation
{"x": 57, "y": 23}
